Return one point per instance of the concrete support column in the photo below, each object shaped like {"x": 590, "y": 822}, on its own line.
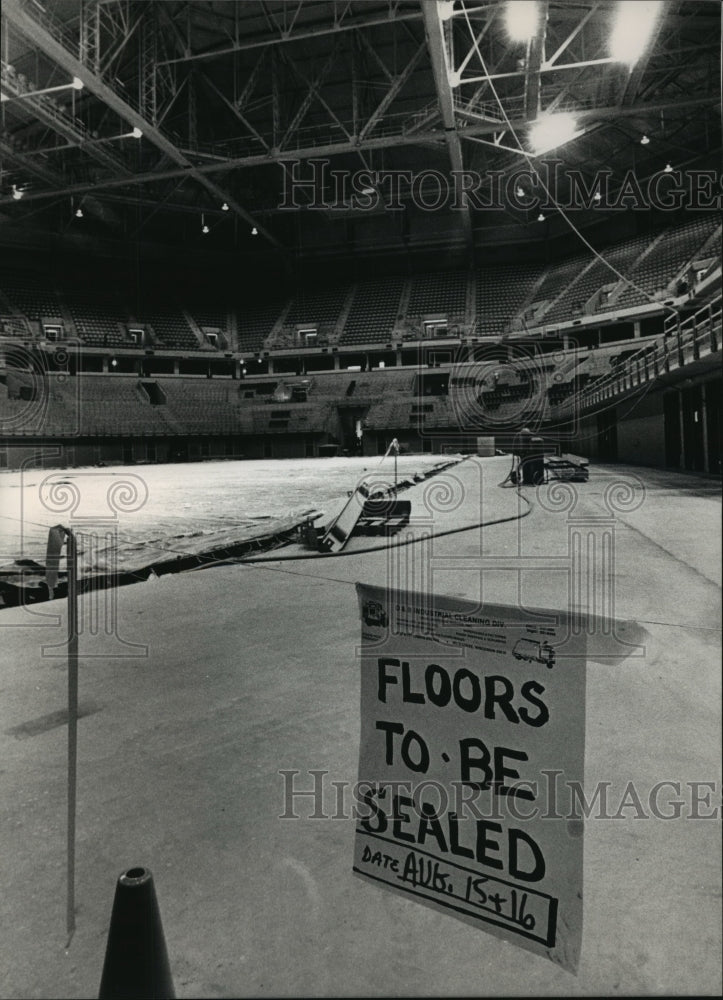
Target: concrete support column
{"x": 399, "y": 358}
{"x": 682, "y": 432}
{"x": 271, "y": 366}
{"x": 636, "y": 328}
{"x": 704, "y": 418}
{"x": 176, "y": 366}
{"x": 105, "y": 365}
{"x": 337, "y": 363}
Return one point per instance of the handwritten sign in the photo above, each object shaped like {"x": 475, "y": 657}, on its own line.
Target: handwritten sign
{"x": 471, "y": 716}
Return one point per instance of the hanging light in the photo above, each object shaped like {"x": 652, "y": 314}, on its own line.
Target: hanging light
{"x": 204, "y": 227}
{"x": 224, "y": 207}
{"x": 644, "y": 141}
{"x": 667, "y": 169}
{"x": 597, "y": 196}
{"x": 633, "y": 28}
{"x": 79, "y": 212}
{"x": 550, "y": 131}
{"x": 254, "y": 231}
{"x": 540, "y": 217}
{"x": 521, "y": 19}
{"x": 136, "y": 133}
{"x": 76, "y": 84}
{"x": 17, "y": 193}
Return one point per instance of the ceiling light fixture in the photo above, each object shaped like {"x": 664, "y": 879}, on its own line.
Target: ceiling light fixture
{"x": 521, "y": 17}
{"x": 540, "y": 217}
{"x": 224, "y": 207}
{"x": 667, "y": 169}
{"x": 597, "y": 196}
{"x": 445, "y": 9}
{"x": 644, "y": 141}
{"x": 550, "y": 132}
{"x": 254, "y": 231}
{"x": 136, "y": 133}
{"x": 204, "y": 227}
{"x": 633, "y": 27}
{"x": 17, "y": 193}
{"x": 79, "y": 212}
{"x": 76, "y": 84}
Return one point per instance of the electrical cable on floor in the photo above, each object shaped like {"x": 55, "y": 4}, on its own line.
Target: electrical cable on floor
{"x": 382, "y": 548}
{"x": 142, "y": 574}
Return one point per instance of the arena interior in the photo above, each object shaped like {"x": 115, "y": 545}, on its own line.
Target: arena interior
{"x": 297, "y": 230}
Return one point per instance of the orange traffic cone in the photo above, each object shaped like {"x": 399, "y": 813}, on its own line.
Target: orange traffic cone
{"x": 136, "y": 961}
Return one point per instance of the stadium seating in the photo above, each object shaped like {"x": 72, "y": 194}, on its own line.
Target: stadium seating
{"x": 97, "y": 319}
{"x": 317, "y": 306}
{"x": 202, "y": 406}
{"x": 255, "y": 323}
{"x": 206, "y": 316}
{"x": 501, "y": 291}
{"x": 382, "y": 310}
{"x": 439, "y": 292}
{"x": 30, "y": 293}
{"x": 556, "y": 279}
{"x": 170, "y": 327}
{"x": 574, "y": 298}
{"x": 657, "y": 269}
{"x": 14, "y": 326}
{"x": 374, "y": 311}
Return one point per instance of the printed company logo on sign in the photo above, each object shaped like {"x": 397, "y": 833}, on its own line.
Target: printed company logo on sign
{"x": 373, "y": 614}
{"x": 465, "y": 710}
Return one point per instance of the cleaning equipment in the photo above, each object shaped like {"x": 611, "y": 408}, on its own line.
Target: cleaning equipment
{"x": 512, "y": 478}
{"x": 136, "y": 960}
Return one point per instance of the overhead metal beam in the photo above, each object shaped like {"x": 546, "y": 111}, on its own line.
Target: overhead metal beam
{"x": 358, "y": 139}
{"x": 535, "y": 57}
{"x": 396, "y": 85}
{"x": 434, "y": 29}
{"x": 286, "y": 35}
{"x": 635, "y": 73}
{"x": 433, "y": 138}
{"x": 572, "y": 36}
{"x": 312, "y": 91}
{"x": 39, "y": 36}
{"x": 61, "y": 124}
{"x": 50, "y": 177}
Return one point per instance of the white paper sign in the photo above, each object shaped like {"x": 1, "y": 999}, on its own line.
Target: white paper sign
{"x": 471, "y": 718}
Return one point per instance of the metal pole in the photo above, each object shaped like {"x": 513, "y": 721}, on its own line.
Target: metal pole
{"x": 72, "y": 558}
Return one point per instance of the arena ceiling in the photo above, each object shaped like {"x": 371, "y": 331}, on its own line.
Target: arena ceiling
{"x": 316, "y": 128}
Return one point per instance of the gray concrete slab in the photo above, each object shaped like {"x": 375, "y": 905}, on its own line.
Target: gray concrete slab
{"x": 252, "y": 669}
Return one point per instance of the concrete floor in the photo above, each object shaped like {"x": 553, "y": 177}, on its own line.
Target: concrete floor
{"x": 251, "y": 669}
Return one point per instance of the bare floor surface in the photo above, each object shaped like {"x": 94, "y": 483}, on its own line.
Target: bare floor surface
{"x": 218, "y": 679}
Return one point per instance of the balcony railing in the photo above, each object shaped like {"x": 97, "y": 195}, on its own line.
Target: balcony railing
{"x": 682, "y": 343}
